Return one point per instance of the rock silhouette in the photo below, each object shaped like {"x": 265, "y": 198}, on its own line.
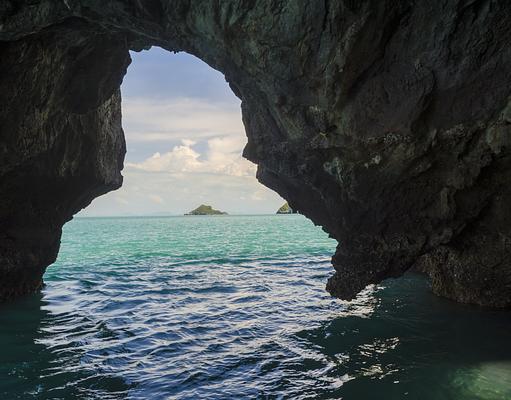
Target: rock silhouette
{"x": 387, "y": 123}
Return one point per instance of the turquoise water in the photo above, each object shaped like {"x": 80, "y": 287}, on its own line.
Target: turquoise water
{"x": 235, "y": 308}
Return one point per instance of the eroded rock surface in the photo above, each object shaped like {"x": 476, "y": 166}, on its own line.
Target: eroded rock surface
{"x": 388, "y": 123}
{"x": 61, "y": 142}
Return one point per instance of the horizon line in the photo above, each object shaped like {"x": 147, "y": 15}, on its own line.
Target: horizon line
{"x": 176, "y": 215}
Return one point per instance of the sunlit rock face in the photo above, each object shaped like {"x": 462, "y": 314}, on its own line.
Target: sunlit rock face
{"x": 385, "y": 122}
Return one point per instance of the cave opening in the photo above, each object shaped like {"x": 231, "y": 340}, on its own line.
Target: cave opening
{"x": 387, "y": 123}
{"x": 184, "y": 138}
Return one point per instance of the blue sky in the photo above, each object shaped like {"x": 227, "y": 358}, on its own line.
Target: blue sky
{"x": 184, "y": 137}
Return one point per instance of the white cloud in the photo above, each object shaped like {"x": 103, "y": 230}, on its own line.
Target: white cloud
{"x": 188, "y": 142}
{"x": 259, "y": 195}
{"x": 147, "y": 120}
{"x": 223, "y": 157}
{"x": 179, "y": 159}
{"x": 121, "y": 200}
{"x": 156, "y": 199}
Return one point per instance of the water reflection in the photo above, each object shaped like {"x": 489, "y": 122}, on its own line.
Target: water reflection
{"x": 393, "y": 342}
{"x": 415, "y": 345}
{"x": 35, "y": 365}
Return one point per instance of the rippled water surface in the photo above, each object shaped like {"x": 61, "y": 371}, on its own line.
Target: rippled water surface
{"x": 235, "y": 308}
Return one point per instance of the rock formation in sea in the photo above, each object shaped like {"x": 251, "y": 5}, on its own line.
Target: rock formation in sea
{"x": 205, "y": 210}
{"x": 386, "y": 122}
{"x": 285, "y": 209}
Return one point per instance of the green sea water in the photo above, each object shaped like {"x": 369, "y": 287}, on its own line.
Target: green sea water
{"x": 234, "y": 307}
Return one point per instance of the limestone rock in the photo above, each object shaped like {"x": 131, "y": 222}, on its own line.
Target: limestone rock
{"x": 285, "y": 209}
{"x": 385, "y": 122}
{"x": 205, "y": 210}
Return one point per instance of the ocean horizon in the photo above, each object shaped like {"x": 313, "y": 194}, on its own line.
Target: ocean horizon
{"x": 180, "y": 215}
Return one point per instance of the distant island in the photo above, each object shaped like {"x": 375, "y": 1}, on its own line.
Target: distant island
{"x": 285, "y": 209}
{"x": 205, "y": 210}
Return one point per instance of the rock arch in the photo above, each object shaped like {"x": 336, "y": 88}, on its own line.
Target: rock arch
{"x": 385, "y": 122}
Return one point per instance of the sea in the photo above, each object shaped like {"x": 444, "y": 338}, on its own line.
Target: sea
{"x": 235, "y": 307}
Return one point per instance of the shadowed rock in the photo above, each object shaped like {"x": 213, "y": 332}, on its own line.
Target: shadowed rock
{"x": 387, "y": 123}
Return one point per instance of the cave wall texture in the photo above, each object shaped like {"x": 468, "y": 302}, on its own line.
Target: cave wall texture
{"x": 386, "y": 122}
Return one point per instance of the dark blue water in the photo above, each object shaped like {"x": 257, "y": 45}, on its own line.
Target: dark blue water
{"x": 235, "y": 308}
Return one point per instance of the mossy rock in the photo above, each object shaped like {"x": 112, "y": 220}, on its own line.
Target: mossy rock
{"x": 205, "y": 210}
{"x": 285, "y": 209}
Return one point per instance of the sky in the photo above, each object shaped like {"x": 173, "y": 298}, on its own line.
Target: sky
{"x": 184, "y": 138}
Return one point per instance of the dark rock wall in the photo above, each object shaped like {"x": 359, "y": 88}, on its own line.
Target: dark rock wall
{"x": 386, "y": 122}
{"x": 61, "y": 142}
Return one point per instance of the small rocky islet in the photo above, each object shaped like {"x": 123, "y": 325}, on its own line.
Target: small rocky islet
{"x": 204, "y": 209}
{"x": 285, "y": 209}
